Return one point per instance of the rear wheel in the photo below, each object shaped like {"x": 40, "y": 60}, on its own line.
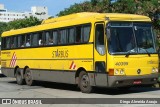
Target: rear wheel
{"x": 19, "y": 77}
{"x": 84, "y": 82}
{"x": 28, "y": 77}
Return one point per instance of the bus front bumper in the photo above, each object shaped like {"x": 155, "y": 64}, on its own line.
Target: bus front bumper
{"x": 124, "y": 81}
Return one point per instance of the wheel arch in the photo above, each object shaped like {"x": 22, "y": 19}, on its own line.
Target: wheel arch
{"x": 25, "y": 69}
{"x": 15, "y": 69}
{"x": 77, "y": 74}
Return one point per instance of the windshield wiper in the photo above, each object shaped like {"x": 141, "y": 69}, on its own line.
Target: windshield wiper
{"x": 128, "y": 53}
{"x": 146, "y": 51}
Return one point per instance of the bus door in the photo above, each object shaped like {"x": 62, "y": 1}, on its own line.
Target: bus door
{"x": 100, "y": 56}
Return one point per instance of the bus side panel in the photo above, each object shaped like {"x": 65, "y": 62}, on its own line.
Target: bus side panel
{"x": 54, "y": 76}
{"x": 56, "y": 64}
{"x": 9, "y": 72}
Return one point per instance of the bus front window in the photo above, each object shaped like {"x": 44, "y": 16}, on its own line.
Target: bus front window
{"x": 130, "y": 38}
{"x": 121, "y": 38}
{"x": 144, "y": 38}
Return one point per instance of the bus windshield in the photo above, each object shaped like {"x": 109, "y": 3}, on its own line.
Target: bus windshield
{"x": 133, "y": 38}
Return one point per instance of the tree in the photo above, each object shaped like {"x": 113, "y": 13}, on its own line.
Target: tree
{"x": 149, "y": 8}
{"x": 94, "y": 2}
{"x": 17, "y": 24}
{"x": 3, "y": 25}
{"x": 21, "y": 23}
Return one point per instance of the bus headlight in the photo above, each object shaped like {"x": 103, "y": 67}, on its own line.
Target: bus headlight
{"x": 153, "y": 70}
{"x": 119, "y": 72}
{"x": 116, "y": 71}
{"x": 156, "y": 70}
{"x": 122, "y": 72}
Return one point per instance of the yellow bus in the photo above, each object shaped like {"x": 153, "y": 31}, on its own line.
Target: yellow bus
{"x": 87, "y": 49}
{"x": 0, "y": 58}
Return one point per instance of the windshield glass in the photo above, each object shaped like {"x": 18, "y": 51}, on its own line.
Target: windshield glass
{"x": 144, "y": 37}
{"x": 133, "y": 38}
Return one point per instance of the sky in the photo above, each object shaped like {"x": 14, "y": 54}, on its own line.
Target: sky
{"x": 54, "y": 6}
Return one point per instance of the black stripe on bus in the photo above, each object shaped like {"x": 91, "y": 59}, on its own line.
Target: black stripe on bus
{"x": 53, "y": 70}
{"x": 45, "y": 46}
{"x": 55, "y": 59}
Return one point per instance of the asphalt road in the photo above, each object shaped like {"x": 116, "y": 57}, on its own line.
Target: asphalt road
{"x": 9, "y": 89}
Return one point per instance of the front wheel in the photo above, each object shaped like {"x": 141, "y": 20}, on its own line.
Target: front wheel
{"x": 84, "y": 83}
{"x": 28, "y": 77}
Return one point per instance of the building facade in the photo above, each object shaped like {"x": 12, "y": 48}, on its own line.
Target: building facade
{"x": 6, "y": 16}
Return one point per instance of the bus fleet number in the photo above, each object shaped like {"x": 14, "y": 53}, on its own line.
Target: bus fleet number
{"x": 121, "y": 63}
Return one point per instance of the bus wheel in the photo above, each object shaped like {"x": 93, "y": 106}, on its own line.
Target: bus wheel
{"x": 28, "y": 77}
{"x": 19, "y": 78}
{"x": 84, "y": 82}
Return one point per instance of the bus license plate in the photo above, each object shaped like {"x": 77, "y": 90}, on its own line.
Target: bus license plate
{"x": 137, "y": 82}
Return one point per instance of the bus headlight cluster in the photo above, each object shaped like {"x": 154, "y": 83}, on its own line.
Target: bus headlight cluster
{"x": 122, "y": 72}
{"x": 119, "y": 72}
{"x": 116, "y": 71}
{"x": 154, "y": 70}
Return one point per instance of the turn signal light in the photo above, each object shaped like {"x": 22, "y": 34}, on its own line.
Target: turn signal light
{"x": 111, "y": 72}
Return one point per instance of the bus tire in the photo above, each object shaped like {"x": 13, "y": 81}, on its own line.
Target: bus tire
{"x": 28, "y": 77}
{"x": 84, "y": 82}
{"x": 19, "y": 77}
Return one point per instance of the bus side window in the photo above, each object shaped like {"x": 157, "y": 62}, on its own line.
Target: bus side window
{"x": 14, "y": 42}
{"x": 28, "y": 40}
{"x": 21, "y": 41}
{"x": 55, "y": 37}
{"x": 48, "y": 38}
{"x": 59, "y": 37}
{"x": 3, "y": 43}
{"x": 79, "y": 34}
{"x": 34, "y": 40}
{"x": 40, "y": 39}
{"x": 86, "y": 32}
{"x": 71, "y": 35}
{"x": 63, "y": 38}
{"x": 8, "y": 42}
{"x": 99, "y": 39}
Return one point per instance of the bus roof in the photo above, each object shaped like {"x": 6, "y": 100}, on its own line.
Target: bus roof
{"x": 78, "y": 18}
{"x": 110, "y": 16}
